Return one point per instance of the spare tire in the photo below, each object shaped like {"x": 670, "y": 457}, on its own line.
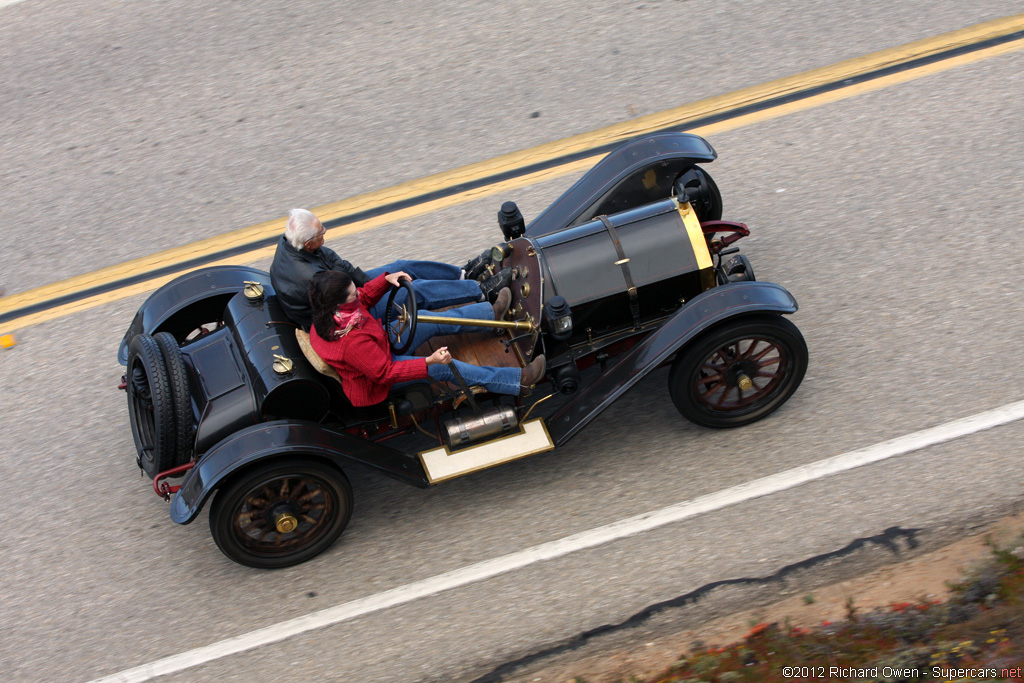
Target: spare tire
{"x": 177, "y": 374}
{"x": 150, "y": 406}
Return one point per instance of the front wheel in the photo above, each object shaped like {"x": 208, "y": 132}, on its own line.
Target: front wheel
{"x": 281, "y": 513}
{"x": 739, "y": 372}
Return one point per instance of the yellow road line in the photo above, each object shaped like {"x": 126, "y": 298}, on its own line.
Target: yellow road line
{"x": 511, "y": 162}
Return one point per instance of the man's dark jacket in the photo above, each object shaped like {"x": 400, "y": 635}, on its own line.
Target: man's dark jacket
{"x": 291, "y": 272}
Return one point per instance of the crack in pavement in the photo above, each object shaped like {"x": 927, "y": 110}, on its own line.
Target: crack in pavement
{"x": 887, "y": 539}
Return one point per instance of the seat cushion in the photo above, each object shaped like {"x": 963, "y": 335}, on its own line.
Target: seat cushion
{"x": 316, "y": 361}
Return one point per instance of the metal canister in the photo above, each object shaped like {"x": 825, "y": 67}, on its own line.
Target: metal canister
{"x": 464, "y": 430}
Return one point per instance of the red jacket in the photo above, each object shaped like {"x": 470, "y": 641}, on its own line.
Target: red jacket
{"x": 363, "y": 357}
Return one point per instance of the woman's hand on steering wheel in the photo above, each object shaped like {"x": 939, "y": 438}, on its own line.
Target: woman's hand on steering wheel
{"x": 394, "y": 278}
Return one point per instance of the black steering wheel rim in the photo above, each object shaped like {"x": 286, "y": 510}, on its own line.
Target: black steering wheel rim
{"x": 395, "y": 339}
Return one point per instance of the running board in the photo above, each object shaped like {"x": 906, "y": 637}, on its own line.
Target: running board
{"x": 441, "y": 464}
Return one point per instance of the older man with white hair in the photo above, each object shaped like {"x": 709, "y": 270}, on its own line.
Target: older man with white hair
{"x": 301, "y": 254}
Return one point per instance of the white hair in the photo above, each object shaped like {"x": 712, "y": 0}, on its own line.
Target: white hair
{"x": 302, "y": 226}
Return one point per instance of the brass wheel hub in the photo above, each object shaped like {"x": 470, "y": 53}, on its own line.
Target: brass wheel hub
{"x": 286, "y": 523}
{"x": 727, "y": 378}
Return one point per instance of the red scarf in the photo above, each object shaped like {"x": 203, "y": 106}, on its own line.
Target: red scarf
{"x": 347, "y": 317}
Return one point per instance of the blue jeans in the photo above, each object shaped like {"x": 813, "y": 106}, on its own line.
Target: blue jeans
{"x": 495, "y": 380}
{"x": 437, "y": 285}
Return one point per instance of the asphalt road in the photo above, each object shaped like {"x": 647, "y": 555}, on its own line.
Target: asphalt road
{"x": 133, "y": 126}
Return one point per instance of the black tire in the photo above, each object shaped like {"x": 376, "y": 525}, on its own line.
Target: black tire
{"x": 150, "y": 406}
{"x": 707, "y": 378}
{"x": 177, "y": 373}
{"x": 247, "y": 513}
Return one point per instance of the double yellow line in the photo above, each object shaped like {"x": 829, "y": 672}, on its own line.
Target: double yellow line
{"x": 726, "y": 112}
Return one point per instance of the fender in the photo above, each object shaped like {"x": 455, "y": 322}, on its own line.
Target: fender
{"x": 282, "y": 438}
{"x": 214, "y": 285}
{"x": 669, "y": 153}
{"x": 703, "y": 311}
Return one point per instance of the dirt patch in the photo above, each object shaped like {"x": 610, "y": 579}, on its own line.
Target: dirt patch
{"x": 925, "y": 577}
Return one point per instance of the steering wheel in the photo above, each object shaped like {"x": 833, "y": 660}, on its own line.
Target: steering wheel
{"x": 405, "y": 326}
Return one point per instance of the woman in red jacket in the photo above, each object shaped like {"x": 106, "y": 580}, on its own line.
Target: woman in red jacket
{"x": 354, "y": 343}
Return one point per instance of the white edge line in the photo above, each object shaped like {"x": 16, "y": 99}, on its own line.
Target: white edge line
{"x": 564, "y": 546}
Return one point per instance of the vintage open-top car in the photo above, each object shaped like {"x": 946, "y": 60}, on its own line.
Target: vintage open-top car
{"x": 631, "y": 269}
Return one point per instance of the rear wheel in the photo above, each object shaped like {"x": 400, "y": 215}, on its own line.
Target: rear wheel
{"x": 150, "y": 406}
{"x": 739, "y": 372}
{"x": 281, "y": 513}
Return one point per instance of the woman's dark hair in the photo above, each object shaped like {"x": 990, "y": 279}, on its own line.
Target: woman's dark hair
{"x": 327, "y": 289}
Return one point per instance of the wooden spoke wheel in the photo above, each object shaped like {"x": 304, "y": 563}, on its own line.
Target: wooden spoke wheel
{"x": 281, "y": 513}
{"x": 739, "y": 372}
